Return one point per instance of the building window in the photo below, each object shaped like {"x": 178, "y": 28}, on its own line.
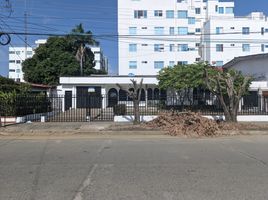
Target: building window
{"x": 171, "y": 31}
{"x": 229, "y": 10}
{"x": 219, "y": 47}
{"x": 219, "y": 63}
{"x": 183, "y": 47}
{"x": 191, "y": 20}
{"x": 198, "y": 30}
{"x": 245, "y": 30}
{"x": 182, "y": 14}
{"x": 198, "y": 11}
{"x": 18, "y": 61}
{"x": 17, "y": 70}
{"x": 246, "y": 47}
{"x": 11, "y": 52}
{"x": 12, "y": 61}
{"x": 29, "y": 53}
{"x": 170, "y": 14}
{"x": 182, "y": 62}
{"x": 132, "y": 64}
{"x": 132, "y": 30}
{"x": 219, "y": 30}
{"x": 158, "y": 13}
{"x": 158, "y": 64}
{"x": 172, "y": 47}
{"x": 171, "y": 63}
{"x": 263, "y": 48}
{"x": 140, "y": 14}
{"x": 132, "y": 48}
{"x": 183, "y": 30}
{"x": 159, "y": 30}
{"x": 221, "y": 10}
{"x": 158, "y": 47}
{"x": 197, "y": 44}
{"x": 12, "y": 70}
{"x": 18, "y": 52}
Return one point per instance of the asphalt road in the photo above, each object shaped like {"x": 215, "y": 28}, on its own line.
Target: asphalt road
{"x": 134, "y": 169}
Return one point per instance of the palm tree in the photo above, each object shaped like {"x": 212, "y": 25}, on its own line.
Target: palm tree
{"x": 80, "y": 42}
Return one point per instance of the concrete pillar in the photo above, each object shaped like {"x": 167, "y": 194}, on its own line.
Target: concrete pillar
{"x": 260, "y": 100}
{"x": 104, "y": 94}
{"x": 74, "y": 97}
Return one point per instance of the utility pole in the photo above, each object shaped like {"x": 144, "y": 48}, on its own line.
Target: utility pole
{"x": 25, "y": 27}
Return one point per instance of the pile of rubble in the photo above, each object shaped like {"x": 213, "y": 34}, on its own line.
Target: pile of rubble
{"x": 186, "y": 123}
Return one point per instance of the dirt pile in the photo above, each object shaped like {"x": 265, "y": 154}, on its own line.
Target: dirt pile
{"x": 186, "y": 123}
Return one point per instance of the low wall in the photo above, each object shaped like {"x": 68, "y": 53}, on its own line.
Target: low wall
{"x": 240, "y": 118}
{"x": 130, "y": 118}
{"x": 7, "y": 120}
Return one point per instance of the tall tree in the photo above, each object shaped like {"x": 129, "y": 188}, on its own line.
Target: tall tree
{"x": 80, "y": 41}
{"x": 58, "y": 57}
{"x": 229, "y": 85}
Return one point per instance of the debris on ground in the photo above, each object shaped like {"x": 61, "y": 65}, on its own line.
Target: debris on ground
{"x": 185, "y": 123}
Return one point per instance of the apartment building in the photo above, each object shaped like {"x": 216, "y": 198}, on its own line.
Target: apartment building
{"x": 16, "y": 56}
{"x": 225, "y": 38}
{"x": 101, "y": 61}
{"x": 157, "y": 34}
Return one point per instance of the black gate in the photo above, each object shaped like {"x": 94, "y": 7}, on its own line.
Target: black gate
{"x": 68, "y": 100}
{"x": 89, "y": 107}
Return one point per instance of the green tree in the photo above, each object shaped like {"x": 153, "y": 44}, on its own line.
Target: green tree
{"x": 229, "y": 86}
{"x": 59, "y": 56}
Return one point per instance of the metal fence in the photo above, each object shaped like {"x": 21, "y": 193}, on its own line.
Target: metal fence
{"x": 85, "y": 108}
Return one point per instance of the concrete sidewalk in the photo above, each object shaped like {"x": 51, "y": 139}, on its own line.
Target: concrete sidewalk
{"x": 76, "y": 128}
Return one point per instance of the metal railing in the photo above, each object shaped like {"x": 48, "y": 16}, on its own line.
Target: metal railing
{"x": 84, "y": 108}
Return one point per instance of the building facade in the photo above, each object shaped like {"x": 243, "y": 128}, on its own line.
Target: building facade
{"x": 16, "y": 56}
{"x": 157, "y": 34}
{"x": 101, "y": 61}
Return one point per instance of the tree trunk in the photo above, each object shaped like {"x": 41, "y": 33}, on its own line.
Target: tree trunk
{"x": 136, "y": 112}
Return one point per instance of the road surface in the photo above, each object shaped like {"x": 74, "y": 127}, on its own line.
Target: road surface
{"x": 125, "y": 168}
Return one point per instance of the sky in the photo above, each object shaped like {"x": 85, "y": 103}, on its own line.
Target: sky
{"x": 98, "y": 16}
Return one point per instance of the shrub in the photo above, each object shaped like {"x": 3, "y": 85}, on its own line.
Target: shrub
{"x": 120, "y": 109}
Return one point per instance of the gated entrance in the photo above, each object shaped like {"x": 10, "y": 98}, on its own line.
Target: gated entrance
{"x": 84, "y": 107}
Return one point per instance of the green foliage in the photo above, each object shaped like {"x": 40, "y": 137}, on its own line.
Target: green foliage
{"x": 8, "y": 85}
{"x": 14, "y": 104}
{"x": 59, "y": 56}
{"x": 182, "y": 76}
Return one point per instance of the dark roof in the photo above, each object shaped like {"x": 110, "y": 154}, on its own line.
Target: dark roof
{"x": 40, "y": 86}
{"x": 115, "y": 76}
{"x": 243, "y": 58}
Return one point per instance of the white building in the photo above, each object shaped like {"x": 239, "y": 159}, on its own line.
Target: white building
{"x": 16, "y": 56}
{"x": 156, "y": 34}
{"x": 227, "y": 37}
{"x": 101, "y": 62}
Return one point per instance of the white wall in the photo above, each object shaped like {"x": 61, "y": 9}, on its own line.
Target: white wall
{"x": 234, "y": 41}
{"x": 254, "y": 67}
{"x": 146, "y": 36}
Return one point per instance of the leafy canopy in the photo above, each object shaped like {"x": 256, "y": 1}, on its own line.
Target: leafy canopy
{"x": 59, "y": 56}
{"x": 182, "y": 76}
